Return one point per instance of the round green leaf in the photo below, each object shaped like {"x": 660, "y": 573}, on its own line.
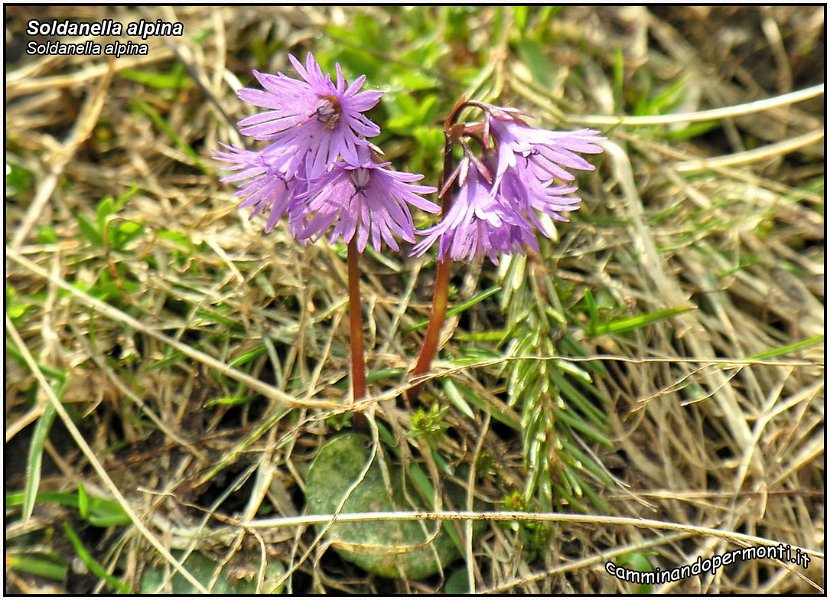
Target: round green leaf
{"x": 395, "y": 549}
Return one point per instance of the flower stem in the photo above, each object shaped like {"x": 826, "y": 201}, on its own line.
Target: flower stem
{"x": 438, "y": 313}
{"x": 437, "y": 317}
{"x": 356, "y": 325}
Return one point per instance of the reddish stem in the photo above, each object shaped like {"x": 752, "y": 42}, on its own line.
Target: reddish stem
{"x": 356, "y": 325}
{"x": 438, "y": 313}
{"x": 437, "y": 316}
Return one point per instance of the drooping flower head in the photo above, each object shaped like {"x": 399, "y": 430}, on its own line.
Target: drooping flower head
{"x": 545, "y": 154}
{"x": 314, "y": 119}
{"x": 480, "y": 221}
{"x": 365, "y": 200}
{"x": 521, "y": 178}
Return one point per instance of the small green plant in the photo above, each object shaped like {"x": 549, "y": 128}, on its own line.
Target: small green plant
{"x": 535, "y": 537}
{"x": 429, "y": 424}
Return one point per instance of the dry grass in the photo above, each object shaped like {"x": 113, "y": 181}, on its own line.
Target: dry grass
{"x": 716, "y": 416}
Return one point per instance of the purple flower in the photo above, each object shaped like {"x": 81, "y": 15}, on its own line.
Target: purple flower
{"x": 530, "y": 195}
{"x": 313, "y": 121}
{"x": 501, "y": 213}
{"x": 365, "y": 200}
{"x": 268, "y": 186}
{"x": 481, "y": 220}
{"x": 544, "y": 154}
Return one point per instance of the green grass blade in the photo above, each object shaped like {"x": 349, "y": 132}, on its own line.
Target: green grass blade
{"x": 775, "y": 352}
{"x": 457, "y": 399}
{"x": 227, "y": 401}
{"x": 497, "y": 335}
{"x": 37, "y": 566}
{"x": 247, "y": 357}
{"x": 102, "y": 512}
{"x": 383, "y": 375}
{"x": 12, "y": 350}
{"x": 174, "y": 79}
{"x": 583, "y": 427}
{"x": 83, "y": 501}
{"x": 460, "y": 308}
{"x": 88, "y": 229}
{"x": 618, "y": 326}
{"x": 95, "y": 567}
{"x": 578, "y": 400}
{"x": 35, "y": 459}
{"x": 485, "y": 405}
{"x": 233, "y": 454}
{"x": 174, "y": 357}
{"x": 427, "y": 492}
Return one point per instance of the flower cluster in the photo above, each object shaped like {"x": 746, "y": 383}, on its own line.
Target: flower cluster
{"x": 521, "y": 176}
{"x": 318, "y": 170}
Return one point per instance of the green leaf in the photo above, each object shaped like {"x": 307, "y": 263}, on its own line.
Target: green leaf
{"x": 593, "y": 313}
{"x": 496, "y": 335}
{"x": 459, "y": 308}
{"x": 458, "y": 583}
{"x": 174, "y": 79}
{"x": 692, "y": 130}
{"x": 583, "y": 427}
{"x": 89, "y": 230}
{"x": 481, "y": 82}
{"x": 596, "y": 499}
{"x": 774, "y": 352}
{"x": 83, "y": 501}
{"x": 334, "y": 470}
{"x": 247, "y": 357}
{"x": 95, "y": 567}
{"x": 177, "y": 237}
{"x": 123, "y": 232}
{"x": 216, "y": 317}
{"x": 172, "y": 358}
{"x": 572, "y": 369}
{"x": 56, "y": 374}
{"x": 663, "y": 101}
{"x": 540, "y": 66}
{"x": 546, "y": 15}
{"x": 520, "y": 14}
{"x": 625, "y": 325}
{"x": 563, "y": 492}
{"x": 106, "y": 207}
{"x": 228, "y": 583}
{"x": 619, "y": 77}
{"x": 19, "y": 180}
{"x": 227, "y": 401}
{"x": 428, "y": 110}
{"x": 102, "y": 513}
{"x": 265, "y": 285}
{"x": 16, "y": 307}
{"x": 46, "y": 234}
{"x": 42, "y": 567}
{"x": 384, "y": 375}
{"x": 570, "y": 344}
{"x": 484, "y": 405}
{"x": 457, "y": 400}
{"x": 585, "y": 462}
{"x": 35, "y": 459}
{"x": 637, "y": 561}
{"x": 578, "y": 400}
{"x": 125, "y": 197}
